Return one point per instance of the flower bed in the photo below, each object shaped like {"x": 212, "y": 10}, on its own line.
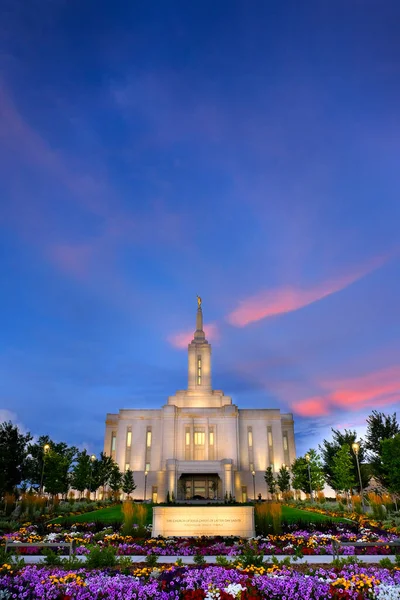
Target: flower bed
{"x": 297, "y": 542}
{"x": 209, "y": 583}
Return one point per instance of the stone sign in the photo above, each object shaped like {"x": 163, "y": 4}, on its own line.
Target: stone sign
{"x": 203, "y": 520}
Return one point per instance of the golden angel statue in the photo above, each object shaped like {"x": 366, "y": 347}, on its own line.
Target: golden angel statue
{"x": 198, "y": 302}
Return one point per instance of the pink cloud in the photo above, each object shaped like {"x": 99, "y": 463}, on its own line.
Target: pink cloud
{"x": 311, "y": 407}
{"x": 273, "y": 302}
{"x": 183, "y": 338}
{"x": 372, "y": 390}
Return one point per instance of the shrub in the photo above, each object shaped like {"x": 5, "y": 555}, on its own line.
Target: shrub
{"x": 386, "y": 563}
{"x": 99, "y": 558}
{"x": 128, "y": 511}
{"x": 268, "y": 517}
{"x": 199, "y": 559}
{"x": 51, "y": 559}
{"x": 8, "y": 526}
{"x": 151, "y": 560}
{"x": 249, "y": 558}
{"x": 222, "y": 561}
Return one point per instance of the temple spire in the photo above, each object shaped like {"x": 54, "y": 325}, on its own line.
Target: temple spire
{"x": 199, "y": 334}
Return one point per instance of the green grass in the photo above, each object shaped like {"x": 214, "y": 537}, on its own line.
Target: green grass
{"x": 291, "y": 515}
{"x": 114, "y": 513}
{"x": 106, "y": 515}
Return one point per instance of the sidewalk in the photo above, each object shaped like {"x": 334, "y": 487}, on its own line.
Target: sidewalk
{"x": 188, "y": 560}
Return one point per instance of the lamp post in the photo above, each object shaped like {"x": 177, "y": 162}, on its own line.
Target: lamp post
{"x": 356, "y": 450}
{"x": 254, "y": 484}
{"x": 145, "y": 484}
{"x": 46, "y": 448}
{"x": 92, "y": 459}
{"x": 308, "y": 458}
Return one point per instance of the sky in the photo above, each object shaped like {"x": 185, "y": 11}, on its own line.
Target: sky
{"x": 245, "y": 152}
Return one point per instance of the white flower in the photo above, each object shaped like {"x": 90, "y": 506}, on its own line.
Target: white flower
{"x": 234, "y": 590}
{"x": 387, "y": 592}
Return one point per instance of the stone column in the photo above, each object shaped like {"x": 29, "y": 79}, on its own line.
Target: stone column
{"x": 228, "y": 477}
{"x": 171, "y": 477}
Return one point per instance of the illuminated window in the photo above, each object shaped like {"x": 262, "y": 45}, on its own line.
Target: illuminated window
{"x": 129, "y": 439}
{"x": 113, "y": 441}
{"x": 211, "y": 442}
{"x": 187, "y": 444}
{"x": 127, "y": 466}
{"x": 199, "y": 438}
{"x": 285, "y": 442}
{"x": 199, "y": 370}
{"x": 250, "y": 437}
{"x": 269, "y": 438}
{"x": 147, "y": 467}
{"x": 148, "y": 439}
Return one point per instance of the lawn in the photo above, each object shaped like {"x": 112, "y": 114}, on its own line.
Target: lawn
{"x": 114, "y": 513}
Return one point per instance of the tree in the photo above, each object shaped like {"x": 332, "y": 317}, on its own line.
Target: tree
{"x": 283, "y": 479}
{"x": 302, "y": 474}
{"x": 57, "y": 476}
{"x": 128, "y": 483}
{"x": 13, "y": 455}
{"x": 390, "y": 452}
{"x": 379, "y": 427}
{"x": 330, "y": 448}
{"x": 104, "y": 469}
{"x": 115, "y": 481}
{"x": 343, "y": 479}
{"x": 54, "y": 465}
{"x": 81, "y": 472}
{"x": 270, "y": 481}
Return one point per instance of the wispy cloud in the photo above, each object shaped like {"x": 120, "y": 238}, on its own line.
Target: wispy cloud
{"x": 183, "y": 338}
{"x": 371, "y": 390}
{"x": 311, "y": 407}
{"x": 285, "y": 299}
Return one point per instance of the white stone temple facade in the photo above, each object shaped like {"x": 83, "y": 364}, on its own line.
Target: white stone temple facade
{"x": 199, "y": 444}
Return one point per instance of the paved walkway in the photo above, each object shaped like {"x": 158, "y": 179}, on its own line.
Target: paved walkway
{"x": 188, "y": 560}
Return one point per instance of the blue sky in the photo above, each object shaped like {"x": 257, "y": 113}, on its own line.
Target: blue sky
{"x": 153, "y": 151}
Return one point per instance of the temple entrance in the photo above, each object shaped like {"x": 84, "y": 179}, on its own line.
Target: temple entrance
{"x": 199, "y": 487}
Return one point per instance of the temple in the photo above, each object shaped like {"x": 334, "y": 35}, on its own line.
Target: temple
{"x": 199, "y": 445}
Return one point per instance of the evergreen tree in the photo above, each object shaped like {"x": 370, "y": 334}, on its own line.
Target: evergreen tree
{"x": 81, "y": 472}
{"x": 283, "y": 479}
{"x": 343, "y": 479}
{"x": 128, "y": 483}
{"x": 13, "y": 456}
{"x": 270, "y": 480}
{"x": 104, "y": 469}
{"x": 115, "y": 481}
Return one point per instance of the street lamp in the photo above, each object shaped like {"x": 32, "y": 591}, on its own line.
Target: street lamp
{"x": 92, "y": 459}
{"x": 145, "y": 484}
{"x": 254, "y": 484}
{"x": 308, "y": 458}
{"x": 356, "y": 450}
{"x": 46, "y": 448}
